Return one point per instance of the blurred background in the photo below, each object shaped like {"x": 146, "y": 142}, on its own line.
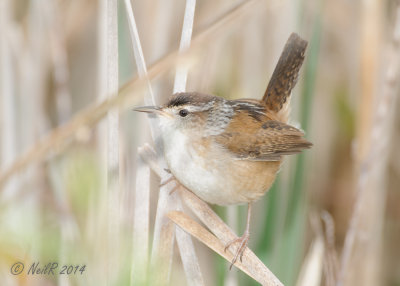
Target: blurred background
{"x": 68, "y": 160}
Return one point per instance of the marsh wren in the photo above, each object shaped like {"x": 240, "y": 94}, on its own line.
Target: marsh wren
{"x": 229, "y": 151}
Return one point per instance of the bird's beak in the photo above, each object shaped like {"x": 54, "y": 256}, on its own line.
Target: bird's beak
{"x": 152, "y": 109}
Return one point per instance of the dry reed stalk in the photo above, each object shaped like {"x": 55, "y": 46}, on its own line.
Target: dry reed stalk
{"x": 164, "y": 234}
{"x": 232, "y": 219}
{"x": 7, "y": 104}
{"x": 140, "y": 249}
{"x": 187, "y": 29}
{"x": 321, "y": 257}
{"x": 59, "y": 58}
{"x": 188, "y": 255}
{"x": 108, "y": 135}
{"x": 311, "y": 270}
{"x": 331, "y": 262}
{"x": 138, "y": 52}
{"x": 140, "y": 236}
{"x": 365, "y": 230}
{"x": 113, "y": 141}
{"x": 97, "y": 210}
{"x": 128, "y": 95}
{"x": 370, "y": 47}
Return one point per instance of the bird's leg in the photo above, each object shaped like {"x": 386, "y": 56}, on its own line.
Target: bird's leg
{"x": 163, "y": 183}
{"x": 177, "y": 185}
{"x": 243, "y": 240}
{"x": 172, "y": 178}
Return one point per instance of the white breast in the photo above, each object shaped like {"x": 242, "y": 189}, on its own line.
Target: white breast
{"x": 201, "y": 175}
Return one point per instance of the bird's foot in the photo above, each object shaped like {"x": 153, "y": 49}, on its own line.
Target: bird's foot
{"x": 170, "y": 179}
{"x": 177, "y": 185}
{"x": 243, "y": 241}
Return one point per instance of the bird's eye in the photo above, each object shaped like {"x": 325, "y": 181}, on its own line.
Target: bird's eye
{"x": 183, "y": 112}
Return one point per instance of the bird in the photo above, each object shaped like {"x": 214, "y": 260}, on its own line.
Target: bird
{"x": 229, "y": 152}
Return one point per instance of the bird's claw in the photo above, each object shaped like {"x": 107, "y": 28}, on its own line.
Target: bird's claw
{"x": 243, "y": 240}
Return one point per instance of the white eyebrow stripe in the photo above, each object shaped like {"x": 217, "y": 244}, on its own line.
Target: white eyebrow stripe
{"x": 198, "y": 108}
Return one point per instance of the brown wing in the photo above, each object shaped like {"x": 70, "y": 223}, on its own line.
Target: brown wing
{"x": 285, "y": 74}
{"x": 260, "y": 138}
